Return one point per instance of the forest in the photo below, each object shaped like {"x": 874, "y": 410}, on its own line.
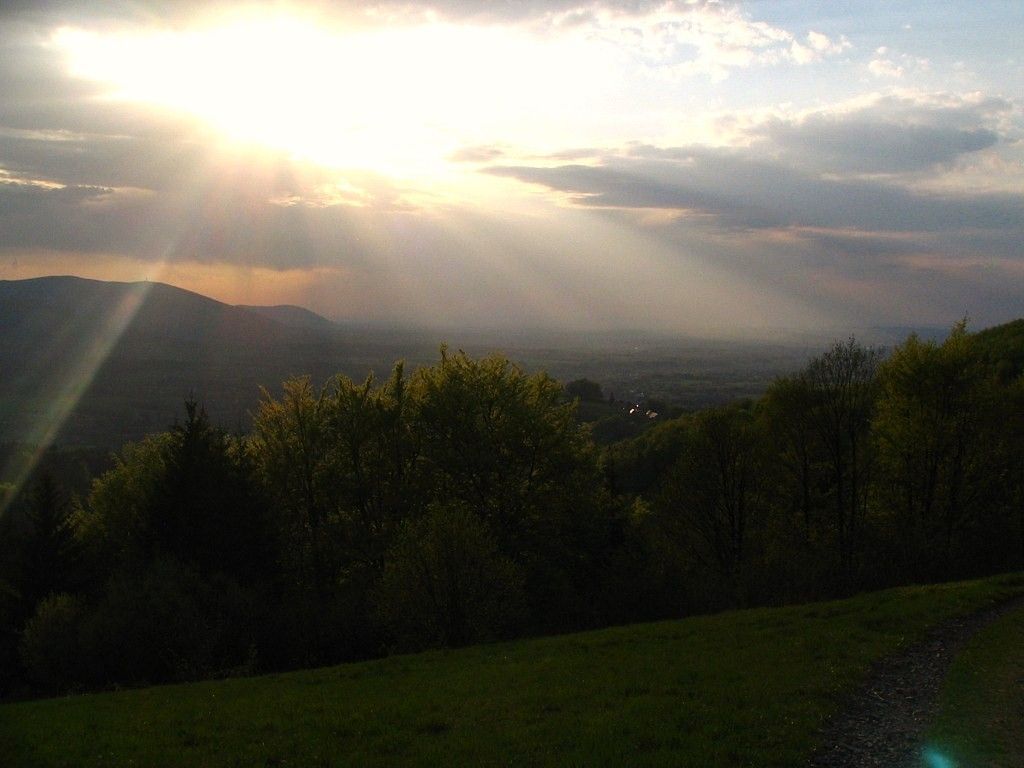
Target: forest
{"x": 463, "y": 502}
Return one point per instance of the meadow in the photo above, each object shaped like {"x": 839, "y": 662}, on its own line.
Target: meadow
{"x": 740, "y": 688}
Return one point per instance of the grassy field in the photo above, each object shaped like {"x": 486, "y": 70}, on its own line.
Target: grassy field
{"x": 981, "y": 721}
{"x": 747, "y": 688}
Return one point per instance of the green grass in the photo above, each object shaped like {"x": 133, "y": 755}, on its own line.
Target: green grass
{"x": 747, "y": 688}
{"x": 981, "y": 718}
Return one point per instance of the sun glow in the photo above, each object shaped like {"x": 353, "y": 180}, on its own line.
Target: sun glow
{"x": 396, "y": 100}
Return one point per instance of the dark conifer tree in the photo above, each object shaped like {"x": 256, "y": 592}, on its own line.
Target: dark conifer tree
{"x": 51, "y": 552}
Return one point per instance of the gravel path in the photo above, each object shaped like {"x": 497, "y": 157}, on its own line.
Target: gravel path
{"x": 883, "y": 724}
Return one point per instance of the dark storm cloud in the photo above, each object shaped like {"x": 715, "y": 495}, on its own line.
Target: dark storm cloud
{"x": 740, "y": 191}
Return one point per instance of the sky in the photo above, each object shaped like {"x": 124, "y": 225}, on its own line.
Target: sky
{"x": 697, "y": 168}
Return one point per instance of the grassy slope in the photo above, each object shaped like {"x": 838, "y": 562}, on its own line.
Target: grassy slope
{"x": 742, "y": 688}
{"x": 981, "y": 721}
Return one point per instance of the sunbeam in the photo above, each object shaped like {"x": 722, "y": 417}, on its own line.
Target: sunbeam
{"x": 81, "y": 372}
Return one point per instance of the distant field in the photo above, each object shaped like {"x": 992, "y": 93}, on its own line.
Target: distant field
{"x": 747, "y": 688}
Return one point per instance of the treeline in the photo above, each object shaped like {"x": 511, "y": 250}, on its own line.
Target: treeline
{"x": 463, "y": 503}
{"x": 860, "y": 471}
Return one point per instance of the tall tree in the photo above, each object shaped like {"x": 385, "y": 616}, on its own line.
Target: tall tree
{"x": 446, "y": 583}
{"x": 931, "y": 430}
{"x": 843, "y": 384}
{"x": 206, "y": 511}
{"x": 52, "y": 549}
{"x": 715, "y": 495}
{"x": 787, "y": 409}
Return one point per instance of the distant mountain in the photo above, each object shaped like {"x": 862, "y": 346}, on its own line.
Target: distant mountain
{"x": 93, "y": 363}
{"x": 292, "y": 316}
{"x": 102, "y": 362}
{"x": 49, "y": 309}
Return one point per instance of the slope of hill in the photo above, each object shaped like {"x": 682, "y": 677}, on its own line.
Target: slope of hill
{"x": 94, "y": 363}
{"x": 738, "y": 689}
{"x": 47, "y": 309}
{"x": 1004, "y": 346}
{"x": 106, "y": 362}
{"x": 291, "y": 316}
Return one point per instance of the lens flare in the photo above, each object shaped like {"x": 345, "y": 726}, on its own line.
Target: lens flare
{"x": 932, "y": 758}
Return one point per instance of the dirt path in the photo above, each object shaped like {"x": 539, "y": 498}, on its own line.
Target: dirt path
{"x": 884, "y": 722}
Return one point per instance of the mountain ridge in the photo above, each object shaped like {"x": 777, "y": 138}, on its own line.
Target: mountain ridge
{"x": 117, "y": 359}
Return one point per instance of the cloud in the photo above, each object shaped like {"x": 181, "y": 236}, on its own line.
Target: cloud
{"x": 885, "y": 68}
{"x": 476, "y": 154}
{"x": 738, "y": 190}
{"x": 672, "y": 38}
{"x": 875, "y": 147}
{"x": 793, "y": 211}
{"x": 886, "y": 135}
{"x": 687, "y": 39}
{"x": 889, "y": 65}
{"x": 817, "y": 47}
{"x": 848, "y": 210}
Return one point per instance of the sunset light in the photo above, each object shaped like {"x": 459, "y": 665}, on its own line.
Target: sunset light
{"x": 511, "y": 382}
{"x": 396, "y": 100}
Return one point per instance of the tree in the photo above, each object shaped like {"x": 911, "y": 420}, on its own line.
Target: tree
{"x": 715, "y": 495}
{"x": 50, "y": 643}
{"x": 1009, "y": 415}
{"x": 206, "y": 511}
{"x": 799, "y": 551}
{"x": 10, "y": 624}
{"x": 52, "y": 549}
{"x": 182, "y": 559}
{"x": 447, "y": 584}
{"x": 292, "y": 452}
{"x": 187, "y": 494}
{"x": 339, "y": 464}
{"x": 584, "y": 389}
{"x": 507, "y": 446}
{"x": 786, "y": 408}
{"x": 843, "y": 387}
{"x": 501, "y": 442}
{"x": 115, "y": 521}
{"x": 931, "y": 432}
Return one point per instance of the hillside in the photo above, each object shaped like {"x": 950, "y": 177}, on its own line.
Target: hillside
{"x": 118, "y": 359}
{"x": 1004, "y": 346}
{"x": 105, "y": 362}
{"x": 292, "y": 316}
{"x": 742, "y": 688}
{"x": 48, "y": 309}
